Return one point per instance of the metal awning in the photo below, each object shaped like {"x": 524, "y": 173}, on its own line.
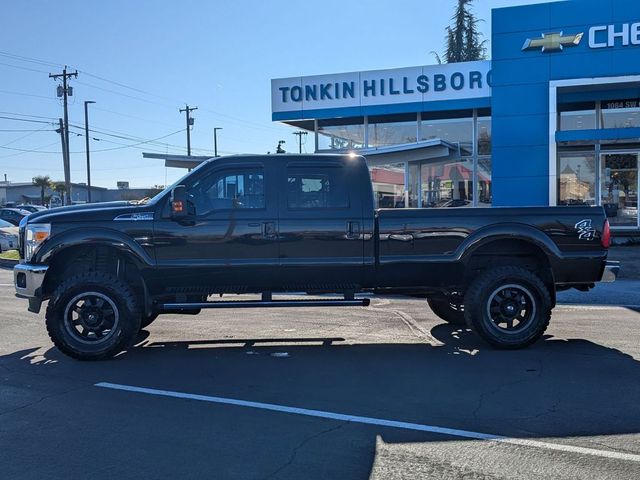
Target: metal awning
{"x": 410, "y": 152}
{"x": 178, "y": 161}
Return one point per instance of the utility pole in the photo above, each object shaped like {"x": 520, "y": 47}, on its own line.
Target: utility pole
{"x": 215, "y": 141}
{"x": 65, "y": 164}
{"x": 66, "y": 92}
{"x": 299, "y": 134}
{"x": 188, "y": 111}
{"x": 86, "y": 143}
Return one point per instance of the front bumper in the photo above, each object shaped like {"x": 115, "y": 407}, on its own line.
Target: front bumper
{"x": 28, "y": 281}
{"x": 610, "y": 273}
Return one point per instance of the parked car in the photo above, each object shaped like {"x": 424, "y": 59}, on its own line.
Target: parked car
{"x": 32, "y": 208}
{"x": 299, "y": 223}
{"x": 8, "y": 236}
{"x": 13, "y": 215}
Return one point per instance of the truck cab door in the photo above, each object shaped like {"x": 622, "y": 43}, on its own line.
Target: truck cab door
{"x": 230, "y": 243}
{"x": 321, "y": 226}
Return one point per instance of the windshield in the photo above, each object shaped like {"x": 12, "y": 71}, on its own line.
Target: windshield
{"x": 5, "y": 224}
{"x": 158, "y": 196}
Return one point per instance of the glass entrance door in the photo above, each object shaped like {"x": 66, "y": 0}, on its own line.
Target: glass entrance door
{"x": 619, "y": 191}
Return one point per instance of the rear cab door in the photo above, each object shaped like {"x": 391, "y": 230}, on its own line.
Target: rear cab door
{"x": 321, "y": 225}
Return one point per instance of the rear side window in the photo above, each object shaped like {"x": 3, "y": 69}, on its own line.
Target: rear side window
{"x": 316, "y": 187}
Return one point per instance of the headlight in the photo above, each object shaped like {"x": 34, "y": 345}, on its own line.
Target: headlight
{"x": 35, "y": 234}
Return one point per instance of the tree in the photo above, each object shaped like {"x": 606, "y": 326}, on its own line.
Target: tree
{"x": 44, "y": 182}
{"x": 60, "y": 188}
{"x": 463, "y": 39}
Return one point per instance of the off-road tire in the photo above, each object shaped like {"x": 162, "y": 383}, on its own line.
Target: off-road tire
{"x": 448, "y": 311}
{"x": 122, "y": 296}
{"x": 477, "y": 306}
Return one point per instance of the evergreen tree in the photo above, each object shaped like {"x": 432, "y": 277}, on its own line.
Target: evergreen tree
{"x": 464, "y": 40}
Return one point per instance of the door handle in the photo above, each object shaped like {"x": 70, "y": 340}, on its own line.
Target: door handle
{"x": 353, "y": 230}
{"x": 269, "y": 230}
{"x": 401, "y": 238}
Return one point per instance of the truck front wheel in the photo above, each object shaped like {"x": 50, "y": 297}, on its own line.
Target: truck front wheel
{"x": 93, "y": 316}
{"x": 509, "y": 307}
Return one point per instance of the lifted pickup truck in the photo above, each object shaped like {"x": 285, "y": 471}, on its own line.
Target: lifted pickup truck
{"x": 298, "y": 223}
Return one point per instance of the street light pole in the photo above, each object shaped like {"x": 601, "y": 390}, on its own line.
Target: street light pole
{"x": 86, "y": 140}
{"x": 215, "y": 141}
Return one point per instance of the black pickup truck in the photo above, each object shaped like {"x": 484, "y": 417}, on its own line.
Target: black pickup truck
{"x": 298, "y": 223}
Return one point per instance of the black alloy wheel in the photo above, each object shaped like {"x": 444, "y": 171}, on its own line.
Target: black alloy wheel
{"x": 509, "y": 307}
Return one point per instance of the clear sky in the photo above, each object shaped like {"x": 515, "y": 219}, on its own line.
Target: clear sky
{"x": 143, "y": 60}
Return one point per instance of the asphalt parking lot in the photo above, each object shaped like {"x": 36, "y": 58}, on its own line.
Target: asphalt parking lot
{"x": 340, "y": 393}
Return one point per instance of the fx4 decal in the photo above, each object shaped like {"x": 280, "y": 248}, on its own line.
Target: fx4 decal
{"x": 585, "y": 230}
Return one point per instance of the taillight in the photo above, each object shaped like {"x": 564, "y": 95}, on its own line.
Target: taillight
{"x": 606, "y": 234}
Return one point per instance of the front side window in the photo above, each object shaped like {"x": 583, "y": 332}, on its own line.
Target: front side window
{"x": 316, "y": 187}
{"x": 229, "y": 189}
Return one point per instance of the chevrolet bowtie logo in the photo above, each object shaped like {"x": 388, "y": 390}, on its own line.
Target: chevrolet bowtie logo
{"x": 552, "y": 42}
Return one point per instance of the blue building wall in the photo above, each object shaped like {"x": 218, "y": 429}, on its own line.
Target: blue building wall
{"x": 520, "y": 95}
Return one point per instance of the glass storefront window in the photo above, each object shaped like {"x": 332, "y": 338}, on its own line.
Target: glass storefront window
{"x": 577, "y": 116}
{"x": 388, "y": 185}
{"x": 414, "y": 184}
{"x": 383, "y": 134}
{"x": 577, "y": 179}
{"x": 455, "y": 130}
{"x": 620, "y": 114}
{"x": 484, "y": 136}
{"x": 345, "y": 134}
{"x": 619, "y": 189}
{"x": 483, "y": 181}
{"x": 447, "y": 183}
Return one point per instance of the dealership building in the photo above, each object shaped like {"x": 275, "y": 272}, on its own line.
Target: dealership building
{"x": 552, "y": 119}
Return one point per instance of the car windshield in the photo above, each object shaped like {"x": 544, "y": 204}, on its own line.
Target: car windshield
{"x": 5, "y": 224}
{"x": 172, "y": 186}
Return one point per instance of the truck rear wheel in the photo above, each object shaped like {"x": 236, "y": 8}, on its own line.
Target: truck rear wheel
{"x": 448, "y": 309}
{"x": 93, "y": 316}
{"x": 509, "y": 307}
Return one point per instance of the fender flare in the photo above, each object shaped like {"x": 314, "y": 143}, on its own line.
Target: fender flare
{"x": 92, "y": 237}
{"x": 509, "y": 231}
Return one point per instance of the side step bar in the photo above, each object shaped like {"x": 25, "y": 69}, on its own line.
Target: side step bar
{"x": 363, "y": 302}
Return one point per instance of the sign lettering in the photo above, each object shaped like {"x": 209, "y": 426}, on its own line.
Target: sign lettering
{"x": 383, "y": 87}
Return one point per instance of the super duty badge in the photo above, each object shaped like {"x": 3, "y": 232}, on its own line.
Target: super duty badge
{"x": 585, "y": 230}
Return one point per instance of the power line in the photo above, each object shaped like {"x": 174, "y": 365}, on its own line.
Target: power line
{"x": 23, "y": 68}
{"x": 29, "y": 59}
{"x": 26, "y": 94}
{"x": 126, "y": 95}
{"x": 25, "y": 120}
{"x": 24, "y": 130}
{"x": 22, "y": 152}
{"x": 31, "y": 132}
{"x": 27, "y": 115}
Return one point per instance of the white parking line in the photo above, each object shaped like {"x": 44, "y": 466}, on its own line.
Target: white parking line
{"x": 375, "y": 421}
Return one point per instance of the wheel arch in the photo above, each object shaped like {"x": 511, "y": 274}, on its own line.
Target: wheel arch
{"x": 515, "y": 244}
{"x": 82, "y": 251}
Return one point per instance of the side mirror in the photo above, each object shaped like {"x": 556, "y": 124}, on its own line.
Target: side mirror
{"x": 179, "y": 208}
